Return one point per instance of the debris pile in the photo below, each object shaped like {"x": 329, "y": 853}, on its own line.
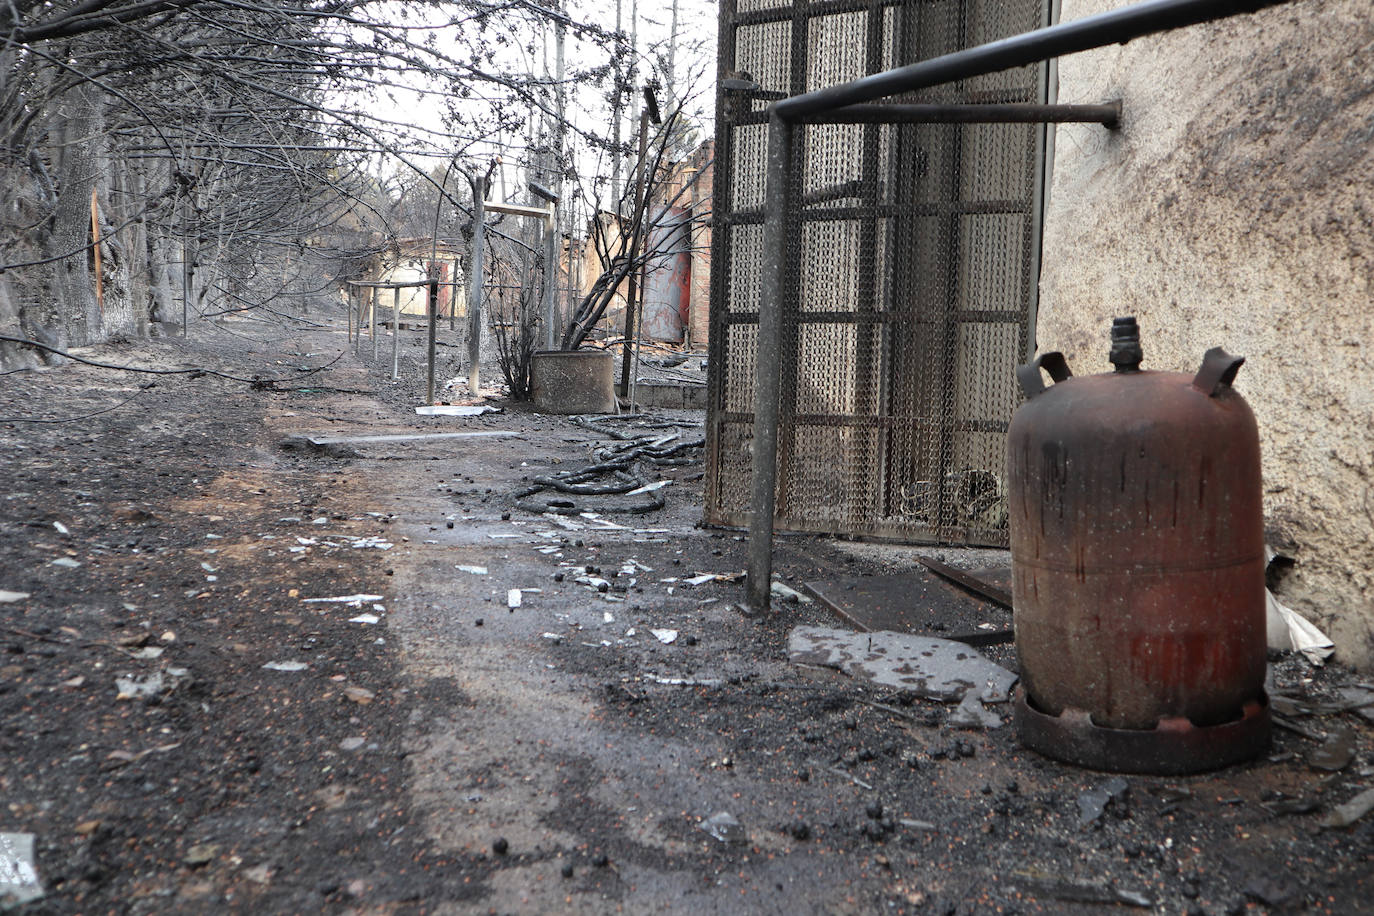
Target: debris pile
{"x": 619, "y": 470}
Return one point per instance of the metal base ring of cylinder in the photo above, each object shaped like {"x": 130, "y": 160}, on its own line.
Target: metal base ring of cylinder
{"x": 1174, "y": 747}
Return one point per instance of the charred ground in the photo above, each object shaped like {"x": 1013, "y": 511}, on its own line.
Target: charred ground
{"x": 386, "y": 774}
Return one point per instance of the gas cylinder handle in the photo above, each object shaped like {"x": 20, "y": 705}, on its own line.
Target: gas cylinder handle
{"x": 1218, "y": 371}
{"x": 1032, "y": 382}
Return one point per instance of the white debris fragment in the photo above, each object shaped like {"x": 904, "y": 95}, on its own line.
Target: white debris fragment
{"x": 667, "y": 637}
{"x": 352, "y": 600}
{"x": 684, "y": 681}
{"x": 365, "y": 618}
{"x": 513, "y": 598}
{"x": 563, "y": 521}
{"x": 700, "y": 579}
{"x": 66, "y": 562}
{"x": 971, "y": 714}
{"x": 498, "y": 537}
{"x": 649, "y": 487}
{"x": 320, "y": 521}
{"x": 19, "y": 882}
{"x": 630, "y": 632}
{"x": 132, "y": 688}
{"x": 475, "y": 570}
{"x": 61, "y": 528}
{"x": 455, "y": 410}
{"x": 286, "y": 666}
{"x": 7, "y": 597}
{"x": 1290, "y": 630}
{"x": 937, "y": 669}
{"x": 607, "y": 617}
{"x": 376, "y": 543}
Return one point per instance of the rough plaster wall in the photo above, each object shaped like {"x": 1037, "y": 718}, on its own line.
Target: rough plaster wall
{"x": 1234, "y": 208}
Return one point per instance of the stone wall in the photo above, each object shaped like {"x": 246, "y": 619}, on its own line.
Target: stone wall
{"x": 1235, "y": 208}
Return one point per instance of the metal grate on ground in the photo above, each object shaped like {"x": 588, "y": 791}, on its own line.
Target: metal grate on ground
{"x": 916, "y": 248}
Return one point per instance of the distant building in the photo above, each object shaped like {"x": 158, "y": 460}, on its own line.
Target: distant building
{"x": 675, "y": 299}
{"x": 409, "y": 261}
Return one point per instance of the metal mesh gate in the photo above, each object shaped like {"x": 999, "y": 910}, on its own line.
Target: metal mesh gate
{"x": 912, "y": 304}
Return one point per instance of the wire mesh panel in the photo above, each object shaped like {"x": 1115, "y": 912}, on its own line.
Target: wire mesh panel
{"x": 910, "y": 300}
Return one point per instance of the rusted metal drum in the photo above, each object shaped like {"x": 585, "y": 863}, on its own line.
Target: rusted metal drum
{"x": 1137, "y": 545}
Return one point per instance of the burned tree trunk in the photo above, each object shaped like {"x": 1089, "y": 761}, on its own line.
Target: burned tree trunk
{"x": 76, "y": 132}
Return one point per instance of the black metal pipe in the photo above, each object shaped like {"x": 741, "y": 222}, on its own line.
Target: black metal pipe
{"x": 768, "y": 367}
{"x": 1108, "y": 114}
{"x": 1111, "y": 27}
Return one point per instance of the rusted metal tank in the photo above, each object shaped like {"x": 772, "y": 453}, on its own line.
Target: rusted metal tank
{"x": 1138, "y": 564}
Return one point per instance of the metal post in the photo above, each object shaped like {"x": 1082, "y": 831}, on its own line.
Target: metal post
{"x": 372, "y": 323}
{"x": 550, "y": 272}
{"x": 395, "y": 333}
{"x": 640, "y": 208}
{"x": 768, "y": 364}
{"x": 475, "y": 285}
{"x": 358, "y": 323}
{"x": 433, "y": 320}
{"x": 351, "y": 292}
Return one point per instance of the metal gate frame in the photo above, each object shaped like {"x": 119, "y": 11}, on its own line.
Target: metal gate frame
{"x": 1116, "y": 26}
{"x": 873, "y": 465}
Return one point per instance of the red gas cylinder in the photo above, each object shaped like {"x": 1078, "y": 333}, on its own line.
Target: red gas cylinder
{"x": 1137, "y": 544}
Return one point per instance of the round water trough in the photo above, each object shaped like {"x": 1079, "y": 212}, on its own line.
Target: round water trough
{"x": 573, "y": 381}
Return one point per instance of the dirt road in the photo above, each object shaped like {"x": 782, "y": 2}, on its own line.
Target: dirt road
{"x": 191, "y": 722}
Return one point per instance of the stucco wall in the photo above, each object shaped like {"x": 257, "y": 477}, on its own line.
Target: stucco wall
{"x": 1234, "y": 208}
